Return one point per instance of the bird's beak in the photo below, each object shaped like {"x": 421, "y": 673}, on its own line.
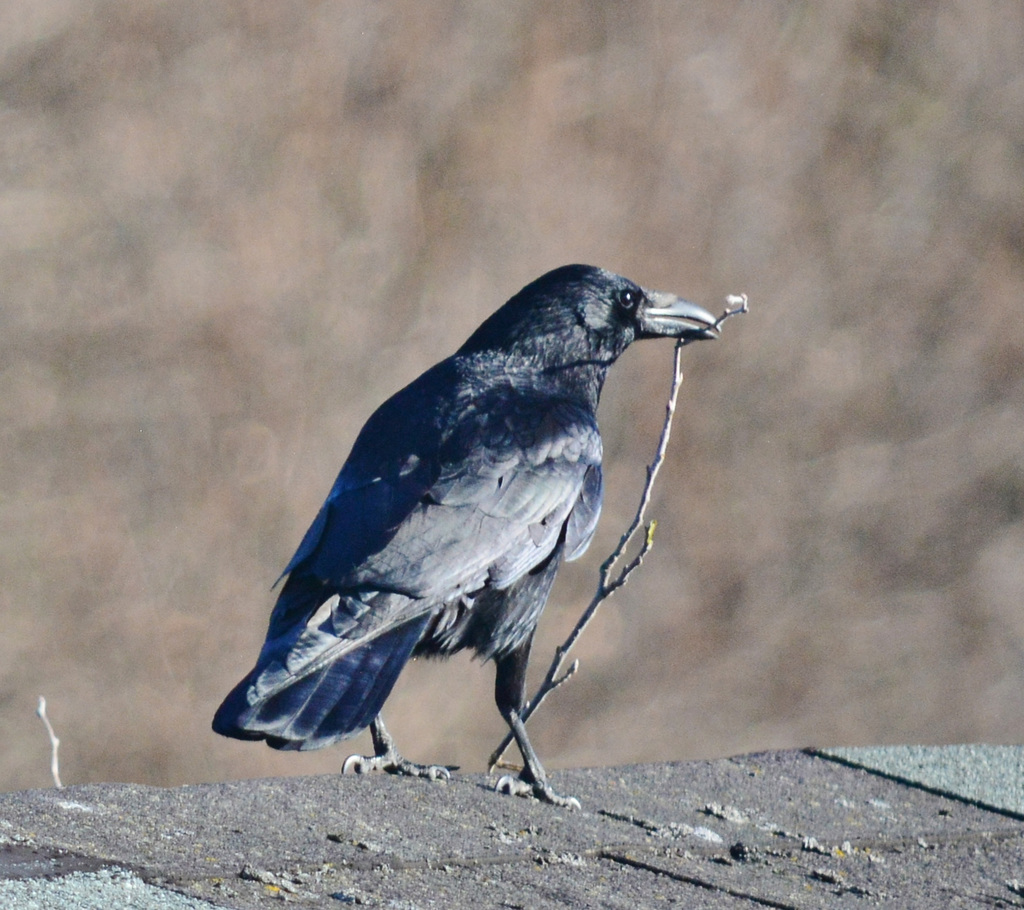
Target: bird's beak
{"x": 670, "y": 316}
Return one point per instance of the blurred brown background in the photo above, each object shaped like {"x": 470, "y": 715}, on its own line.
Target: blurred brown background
{"x": 228, "y": 230}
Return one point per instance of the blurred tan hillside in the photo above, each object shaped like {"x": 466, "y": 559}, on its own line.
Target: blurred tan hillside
{"x": 228, "y": 230}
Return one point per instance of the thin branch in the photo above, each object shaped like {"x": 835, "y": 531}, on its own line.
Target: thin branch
{"x": 607, "y": 584}
{"x": 737, "y": 306}
{"x": 54, "y": 742}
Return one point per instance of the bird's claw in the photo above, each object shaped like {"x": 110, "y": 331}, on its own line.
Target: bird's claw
{"x": 362, "y": 764}
{"x": 512, "y": 786}
{"x": 366, "y": 764}
{"x": 516, "y": 786}
{"x": 431, "y": 772}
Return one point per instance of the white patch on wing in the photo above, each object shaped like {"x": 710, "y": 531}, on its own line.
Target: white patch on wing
{"x": 323, "y": 612}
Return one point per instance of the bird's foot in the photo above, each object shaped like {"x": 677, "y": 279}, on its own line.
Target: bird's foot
{"x": 394, "y": 764}
{"x": 387, "y": 758}
{"x": 516, "y": 786}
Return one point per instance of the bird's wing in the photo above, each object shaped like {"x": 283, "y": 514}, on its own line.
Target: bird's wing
{"x": 432, "y": 513}
{"x": 510, "y": 475}
{"x": 359, "y": 517}
{"x": 579, "y": 530}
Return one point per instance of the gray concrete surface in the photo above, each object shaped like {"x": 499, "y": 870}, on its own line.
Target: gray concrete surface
{"x": 992, "y": 776}
{"x": 107, "y": 889}
{"x": 789, "y": 830}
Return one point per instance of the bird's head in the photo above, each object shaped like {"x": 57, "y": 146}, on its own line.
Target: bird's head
{"x": 583, "y": 314}
{"x": 616, "y": 305}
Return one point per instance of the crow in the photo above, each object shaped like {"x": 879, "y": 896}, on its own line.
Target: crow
{"x": 460, "y": 499}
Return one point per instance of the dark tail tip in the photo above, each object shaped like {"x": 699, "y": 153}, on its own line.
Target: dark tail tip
{"x": 228, "y": 719}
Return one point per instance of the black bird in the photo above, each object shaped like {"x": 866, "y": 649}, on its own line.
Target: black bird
{"x": 461, "y": 497}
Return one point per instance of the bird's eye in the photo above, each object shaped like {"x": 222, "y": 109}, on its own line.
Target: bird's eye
{"x": 629, "y": 298}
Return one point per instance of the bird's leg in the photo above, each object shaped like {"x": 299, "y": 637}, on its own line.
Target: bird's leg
{"x": 510, "y": 696}
{"x": 387, "y": 758}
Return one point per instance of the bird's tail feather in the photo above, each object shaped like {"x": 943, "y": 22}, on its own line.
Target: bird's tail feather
{"x": 332, "y": 703}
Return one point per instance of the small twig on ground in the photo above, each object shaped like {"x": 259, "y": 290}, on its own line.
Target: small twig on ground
{"x": 607, "y": 585}
{"x": 54, "y": 742}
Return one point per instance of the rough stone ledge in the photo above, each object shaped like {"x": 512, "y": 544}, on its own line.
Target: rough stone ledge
{"x": 783, "y": 829}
